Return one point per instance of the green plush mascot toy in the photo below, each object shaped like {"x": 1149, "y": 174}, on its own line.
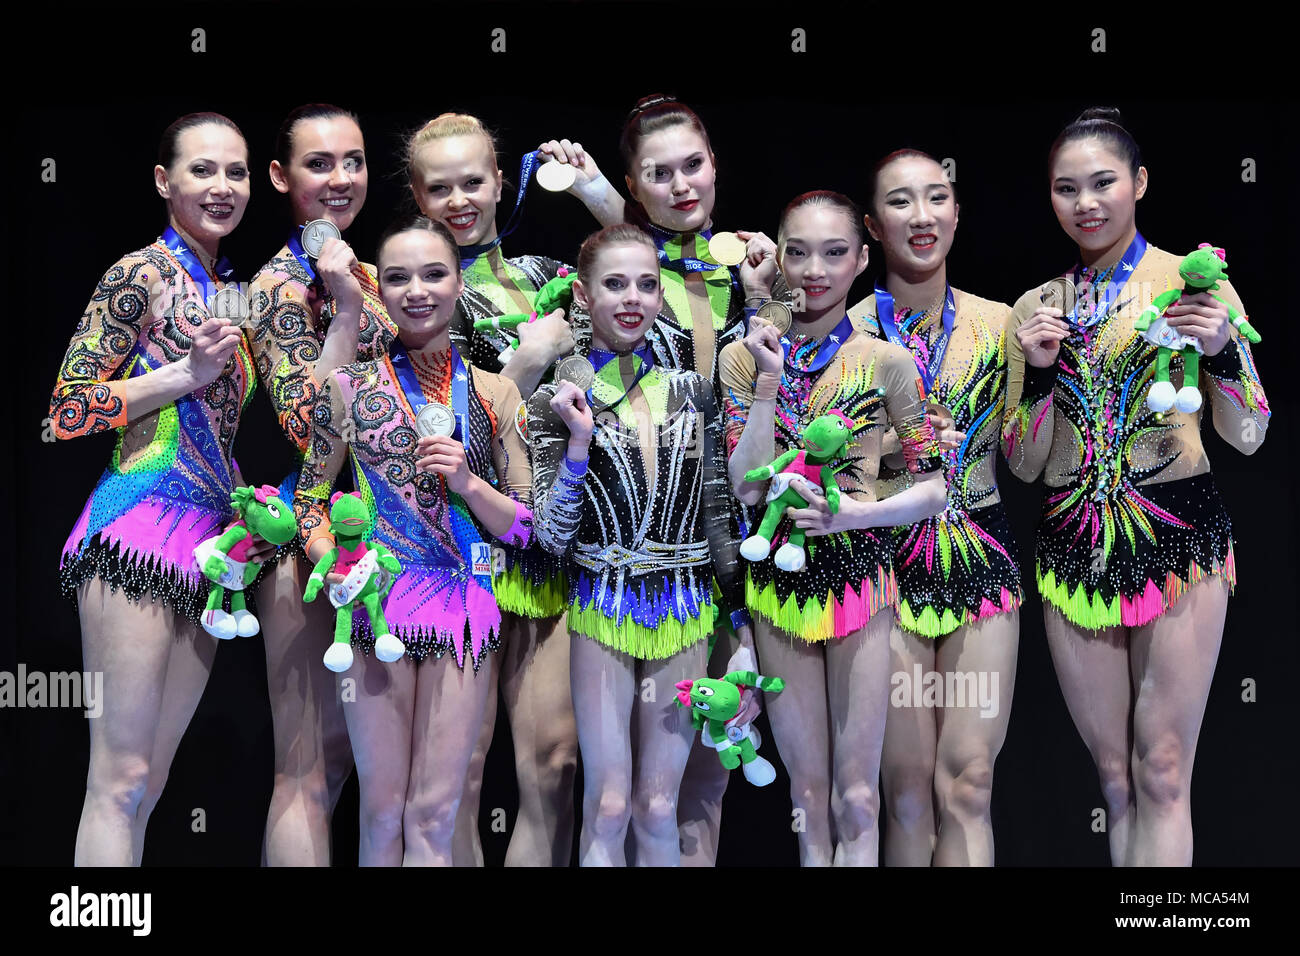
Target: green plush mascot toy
{"x": 823, "y": 440}
{"x": 714, "y": 705}
{"x": 555, "y": 294}
{"x": 224, "y": 559}
{"x": 369, "y": 569}
{"x": 1201, "y": 272}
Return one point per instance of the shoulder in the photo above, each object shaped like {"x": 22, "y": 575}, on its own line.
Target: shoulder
{"x": 736, "y": 364}
{"x": 996, "y": 315}
{"x": 863, "y": 314}
{"x": 282, "y": 269}
{"x": 143, "y": 267}
{"x": 540, "y": 269}
{"x": 501, "y": 393}
{"x": 354, "y": 376}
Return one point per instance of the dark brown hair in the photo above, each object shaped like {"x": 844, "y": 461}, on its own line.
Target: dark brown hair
{"x": 308, "y": 111}
{"x": 650, "y": 115}
{"x": 906, "y": 153}
{"x": 419, "y": 223}
{"x": 824, "y": 197}
{"x": 171, "y": 135}
{"x": 1103, "y": 123}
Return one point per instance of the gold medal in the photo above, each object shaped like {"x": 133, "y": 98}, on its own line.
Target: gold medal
{"x": 727, "y": 248}
{"x": 776, "y": 313}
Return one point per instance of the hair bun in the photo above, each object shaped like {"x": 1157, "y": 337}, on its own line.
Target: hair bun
{"x": 650, "y": 102}
{"x": 1108, "y": 114}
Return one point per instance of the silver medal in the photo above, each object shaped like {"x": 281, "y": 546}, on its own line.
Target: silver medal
{"x": 577, "y": 370}
{"x": 435, "y": 420}
{"x": 314, "y": 235}
{"x": 230, "y": 304}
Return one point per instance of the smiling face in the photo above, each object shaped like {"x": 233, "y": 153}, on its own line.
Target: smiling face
{"x": 915, "y": 215}
{"x": 673, "y": 178}
{"x": 456, "y": 181}
{"x": 820, "y": 255}
{"x": 207, "y": 187}
{"x": 623, "y": 295}
{"x": 419, "y": 283}
{"x": 1094, "y": 195}
{"x": 327, "y": 176}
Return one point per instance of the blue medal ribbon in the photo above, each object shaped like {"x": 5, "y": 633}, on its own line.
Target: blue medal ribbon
{"x": 295, "y": 246}
{"x": 185, "y": 255}
{"x": 885, "y": 317}
{"x": 837, "y": 337}
{"x": 1120, "y": 271}
{"x": 474, "y": 551}
{"x": 410, "y": 384}
{"x": 526, "y": 167}
{"x": 599, "y": 358}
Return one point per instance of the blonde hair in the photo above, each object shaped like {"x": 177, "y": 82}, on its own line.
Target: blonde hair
{"x": 446, "y": 126}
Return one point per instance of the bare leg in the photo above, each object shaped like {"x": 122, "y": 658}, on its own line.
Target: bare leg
{"x": 604, "y": 687}
{"x": 312, "y": 754}
{"x": 699, "y": 807}
{"x": 1093, "y": 670}
{"x": 379, "y": 726}
{"x": 467, "y": 844}
{"x": 970, "y": 737}
{"x": 1173, "y": 664}
{"x": 664, "y": 738}
{"x": 189, "y": 663}
{"x": 907, "y": 761}
{"x": 449, "y": 707}
{"x": 535, "y": 685}
{"x": 130, "y": 643}
{"x": 801, "y": 724}
{"x": 857, "y": 684}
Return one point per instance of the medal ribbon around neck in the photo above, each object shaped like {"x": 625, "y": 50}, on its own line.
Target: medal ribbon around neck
{"x": 599, "y": 358}
{"x": 1110, "y": 290}
{"x": 295, "y": 246}
{"x": 837, "y": 337}
{"x": 526, "y": 167}
{"x": 885, "y": 317}
{"x": 177, "y": 246}
{"x": 463, "y": 528}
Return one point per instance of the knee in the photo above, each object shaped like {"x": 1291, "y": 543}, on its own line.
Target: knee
{"x": 809, "y": 792}
{"x": 656, "y": 812}
{"x": 432, "y": 820}
{"x": 382, "y": 821}
{"x": 124, "y": 785}
{"x": 909, "y": 794}
{"x": 968, "y": 792}
{"x": 1113, "y": 772}
{"x": 1162, "y": 772}
{"x": 856, "y": 809}
{"x": 309, "y": 788}
{"x": 612, "y": 814}
{"x": 558, "y": 763}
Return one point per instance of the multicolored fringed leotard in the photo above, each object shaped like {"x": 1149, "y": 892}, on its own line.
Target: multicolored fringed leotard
{"x": 849, "y": 576}
{"x": 1131, "y": 518}
{"x": 643, "y": 531}
{"x": 443, "y": 598}
{"x": 703, "y": 313}
{"x": 290, "y": 316}
{"x": 168, "y": 486}
{"x": 528, "y": 581}
{"x": 960, "y": 565}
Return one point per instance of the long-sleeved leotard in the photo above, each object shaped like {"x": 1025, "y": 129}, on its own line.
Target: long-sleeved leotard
{"x": 290, "y": 315}
{"x": 527, "y": 581}
{"x": 642, "y": 526}
{"x": 849, "y": 575}
{"x": 1131, "y": 518}
{"x": 168, "y": 486}
{"x": 960, "y": 565}
{"x": 437, "y": 603}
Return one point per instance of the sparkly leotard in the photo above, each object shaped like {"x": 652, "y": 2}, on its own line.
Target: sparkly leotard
{"x": 960, "y": 565}
{"x": 1131, "y": 518}
{"x": 849, "y": 575}
{"x": 168, "y": 486}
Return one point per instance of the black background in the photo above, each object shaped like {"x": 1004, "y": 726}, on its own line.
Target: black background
{"x": 988, "y": 91}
